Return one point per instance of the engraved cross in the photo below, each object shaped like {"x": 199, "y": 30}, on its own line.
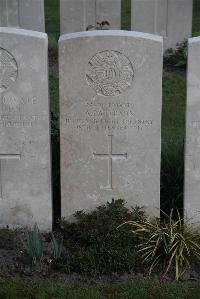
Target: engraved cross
{"x": 4, "y": 157}
{"x": 110, "y": 156}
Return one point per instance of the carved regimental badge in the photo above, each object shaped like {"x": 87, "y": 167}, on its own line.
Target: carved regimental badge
{"x": 110, "y": 73}
{"x": 8, "y": 70}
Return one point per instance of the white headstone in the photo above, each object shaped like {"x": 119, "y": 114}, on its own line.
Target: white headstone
{"x": 77, "y": 15}
{"x": 192, "y": 148}
{"x": 26, "y": 14}
{"x": 110, "y": 105}
{"x": 171, "y": 19}
{"x": 25, "y": 166}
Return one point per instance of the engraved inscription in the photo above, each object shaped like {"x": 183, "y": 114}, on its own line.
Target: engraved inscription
{"x": 108, "y": 116}
{"x": 195, "y": 124}
{"x": 110, "y": 73}
{"x": 18, "y": 112}
{"x": 11, "y": 103}
{"x": 8, "y": 70}
{"x": 110, "y": 156}
{"x": 21, "y": 120}
{"x": 193, "y": 140}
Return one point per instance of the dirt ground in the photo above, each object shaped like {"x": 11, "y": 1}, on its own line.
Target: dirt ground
{"x": 14, "y": 263}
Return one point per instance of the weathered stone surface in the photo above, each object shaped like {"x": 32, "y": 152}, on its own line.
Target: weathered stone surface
{"x": 77, "y": 15}
{"x": 110, "y": 106}
{"x": 25, "y": 171}
{"x": 109, "y": 10}
{"x": 26, "y": 14}
{"x": 192, "y": 148}
{"x": 171, "y": 19}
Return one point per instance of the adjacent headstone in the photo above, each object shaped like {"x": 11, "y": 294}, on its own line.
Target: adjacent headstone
{"x": 192, "y": 148}
{"x": 110, "y": 106}
{"x": 25, "y": 166}
{"x": 77, "y": 15}
{"x": 26, "y": 14}
{"x": 171, "y": 19}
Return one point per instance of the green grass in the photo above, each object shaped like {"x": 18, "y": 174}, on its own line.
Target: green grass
{"x": 173, "y": 115}
{"x": 132, "y": 290}
{"x": 173, "y": 131}
{"x": 126, "y": 15}
{"x": 54, "y": 93}
{"x": 196, "y": 18}
{"x": 52, "y": 17}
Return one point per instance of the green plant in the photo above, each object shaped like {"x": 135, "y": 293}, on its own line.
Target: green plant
{"x": 176, "y": 57}
{"x": 95, "y": 244}
{"x": 170, "y": 244}
{"x": 57, "y": 246}
{"x": 34, "y": 245}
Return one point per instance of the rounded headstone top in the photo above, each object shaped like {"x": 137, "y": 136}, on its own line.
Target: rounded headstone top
{"x": 119, "y": 33}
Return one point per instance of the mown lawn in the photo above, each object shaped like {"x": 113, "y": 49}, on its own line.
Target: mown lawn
{"x": 52, "y": 16}
{"x": 126, "y": 15}
{"x": 173, "y": 112}
{"x": 131, "y": 290}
